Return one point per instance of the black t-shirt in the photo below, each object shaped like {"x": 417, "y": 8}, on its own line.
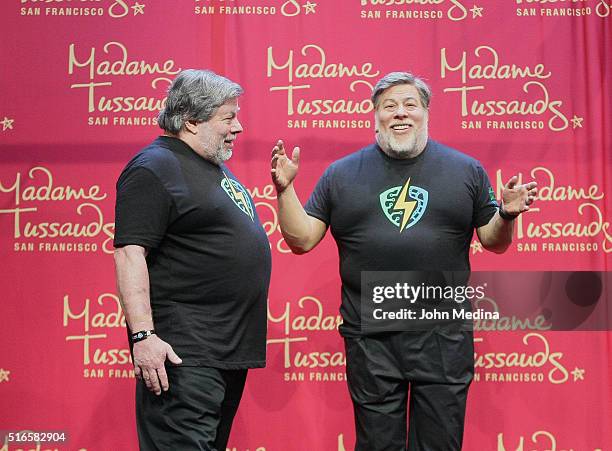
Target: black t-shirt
{"x": 447, "y": 195}
{"x": 209, "y": 258}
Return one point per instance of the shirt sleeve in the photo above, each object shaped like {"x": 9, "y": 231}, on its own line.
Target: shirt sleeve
{"x": 319, "y": 203}
{"x": 142, "y": 210}
{"x": 485, "y": 204}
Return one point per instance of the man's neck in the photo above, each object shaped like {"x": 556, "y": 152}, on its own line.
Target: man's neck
{"x": 407, "y": 155}
{"x": 187, "y": 139}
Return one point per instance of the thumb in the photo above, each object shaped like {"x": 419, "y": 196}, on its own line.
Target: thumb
{"x": 295, "y": 156}
{"x": 172, "y": 356}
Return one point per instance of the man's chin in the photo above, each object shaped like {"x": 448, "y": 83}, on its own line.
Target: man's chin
{"x": 226, "y": 155}
{"x": 405, "y": 148}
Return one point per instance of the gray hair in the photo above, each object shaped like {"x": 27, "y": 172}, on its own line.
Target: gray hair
{"x": 195, "y": 95}
{"x": 401, "y": 78}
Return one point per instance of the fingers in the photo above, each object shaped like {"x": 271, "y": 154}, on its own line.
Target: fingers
{"x": 149, "y": 358}
{"x": 163, "y": 379}
{"x": 531, "y": 186}
{"x": 532, "y": 192}
{"x": 512, "y": 182}
{"x": 151, "y": 380}
{"x": 530, "y": 199}
{"x": 295, "y": 156}
{"x": 279, "y": 148}
{"x": 278, "y": 152}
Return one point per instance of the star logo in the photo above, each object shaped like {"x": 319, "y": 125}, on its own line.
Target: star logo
{"x": 7, "y": 124}
{"x": 577, "y": 121}
{"x": 476, "y": 247}
{"x": 309, "y": 7}
{"x": 4, "y": 375}
{"x": 476, "y": 11}
{"x": 578, "y": 374}
{"x": 138, "y": 8}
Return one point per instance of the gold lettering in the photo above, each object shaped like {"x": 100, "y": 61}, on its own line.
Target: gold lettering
{"x": 558, "y": 374}
{"x": 290, "y": 8}
{"x": 68, "y": 315}
{"x": 603, "y": 8}
{"x": 72, "y": 61}
{"x": 547, "y": 191}
{"x": 119, "y": 5}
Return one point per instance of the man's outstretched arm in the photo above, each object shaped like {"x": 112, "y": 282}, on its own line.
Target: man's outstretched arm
{"x": 496, "y": 235}
{"x": 301, "y": 231}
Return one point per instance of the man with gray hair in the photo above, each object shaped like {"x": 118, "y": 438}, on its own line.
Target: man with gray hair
{"x": 193, "y": 267}
{"x": 405, "y": 203}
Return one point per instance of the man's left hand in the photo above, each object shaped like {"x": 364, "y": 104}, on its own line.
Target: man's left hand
{"x": 517, "y": 199}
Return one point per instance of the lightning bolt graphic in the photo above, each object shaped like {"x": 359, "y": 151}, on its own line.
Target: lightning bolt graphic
{"x": 238, "y": 194}
{"x": 407, "y": 206}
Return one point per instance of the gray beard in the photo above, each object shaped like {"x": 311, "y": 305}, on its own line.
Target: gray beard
{"x": 398, "y": 150}
{"x": 223, "y": 154}
{"x": 219, "y": 155}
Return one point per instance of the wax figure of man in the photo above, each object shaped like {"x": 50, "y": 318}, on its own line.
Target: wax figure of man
{"x": 193, "y": 267}
{"x": 402, "y": 203}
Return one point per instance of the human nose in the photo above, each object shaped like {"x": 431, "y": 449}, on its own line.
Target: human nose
{"x": 401, "y": 111}
{"x": 236, "y": 126}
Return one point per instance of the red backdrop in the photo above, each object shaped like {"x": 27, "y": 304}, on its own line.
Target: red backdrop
{"x": 522, "y": 85}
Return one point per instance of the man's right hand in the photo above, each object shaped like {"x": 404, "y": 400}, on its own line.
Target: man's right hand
{"x": 284, "y": 169}
{"x": 149, "y": 358}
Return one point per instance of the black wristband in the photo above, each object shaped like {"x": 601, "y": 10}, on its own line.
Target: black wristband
{"x": 142, "y": 335}
{"x": 505, "y": 215}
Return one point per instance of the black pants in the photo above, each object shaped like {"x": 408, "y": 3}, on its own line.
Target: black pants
{"x": 196, "y": 413}
{"x": 434, "y": 369}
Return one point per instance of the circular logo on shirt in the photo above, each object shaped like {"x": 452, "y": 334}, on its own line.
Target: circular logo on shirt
{"x": 404, "y": 205}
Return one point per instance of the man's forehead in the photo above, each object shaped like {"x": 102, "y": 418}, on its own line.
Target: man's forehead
{"x": 229, "y": 106}
{"x": 400, "y": 92}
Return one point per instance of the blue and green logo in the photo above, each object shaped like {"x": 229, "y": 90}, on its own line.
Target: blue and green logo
{"x": 404, "y": 205}
{"x": 239, "y": 195}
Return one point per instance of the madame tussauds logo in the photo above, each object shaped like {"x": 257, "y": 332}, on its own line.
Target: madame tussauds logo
{"x": 305, "y": 357}
{"x": 115, "y": 9}
{"x": 103, "y": 76}
{"x": 404, "y": 206}
{"x": 529, "y": 106}
{"x": 305, "y": 78}
{"x": 89, "y": 325}
{"x": 49, "y": 215}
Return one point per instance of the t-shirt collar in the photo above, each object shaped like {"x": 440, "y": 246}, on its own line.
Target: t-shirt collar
{"x": 405, "y": 161}
{"x": 179, "y": 146}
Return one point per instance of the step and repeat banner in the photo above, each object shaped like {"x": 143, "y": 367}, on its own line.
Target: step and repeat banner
{"x": 521, "y": 85}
